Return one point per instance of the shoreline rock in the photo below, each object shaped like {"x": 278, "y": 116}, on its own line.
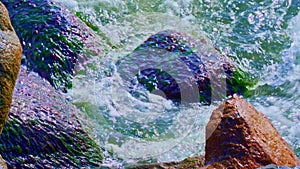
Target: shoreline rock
{"x": 43, "y": 129}
{"x": 182, "y": 68}
{"x": 55, "y": 41}
{"x": 191, "y": 162}
{"x": 238, "y": 136}
{"x": 10, "y": 60}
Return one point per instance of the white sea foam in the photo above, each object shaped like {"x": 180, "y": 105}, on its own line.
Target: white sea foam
{"x": 70, "y": 4}
{"x": 185, "y": 136}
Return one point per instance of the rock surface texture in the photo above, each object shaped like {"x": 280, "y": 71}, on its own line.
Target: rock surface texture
{"x": 43, "y": 129}
{"x": 238, "y": 136}
{"x": 54, "y": 40}
{"x": 184, "y": 69}
{"x": 192, "y": 162}
{"x": 10, "y": 60}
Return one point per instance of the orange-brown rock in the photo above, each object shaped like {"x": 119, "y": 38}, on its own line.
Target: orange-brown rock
{"x": 10, "y": 60}
{"x": 238, "y": 136}
{"x": 188, "y": 163}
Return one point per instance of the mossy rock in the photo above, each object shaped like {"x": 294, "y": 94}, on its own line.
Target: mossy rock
{"x": 43, "y": 129}
{"x": 54, "y": 40}
{"x": 183, "y": 68}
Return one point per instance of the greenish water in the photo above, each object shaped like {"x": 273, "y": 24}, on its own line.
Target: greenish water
{"x": 262, "y": 37}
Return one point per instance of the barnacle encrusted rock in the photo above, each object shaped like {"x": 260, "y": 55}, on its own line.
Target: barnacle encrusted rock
{"x": 238, "y": 136}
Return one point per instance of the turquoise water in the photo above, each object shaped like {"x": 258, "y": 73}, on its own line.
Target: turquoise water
{"x": 261, "y": 37}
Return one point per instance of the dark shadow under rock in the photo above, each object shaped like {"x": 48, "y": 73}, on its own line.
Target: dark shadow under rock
{"x": 43, "y": 130}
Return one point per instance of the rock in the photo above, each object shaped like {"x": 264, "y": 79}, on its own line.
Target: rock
{"x": 238, "y": 136}
{"x": 192, "y": 162}
{"x": 54, "y": 40}
{"x": 10, "y": 60}
{"x": 2, "y": 163}
{"x": 184, "y": 69}
{"x": 43, "y": 129}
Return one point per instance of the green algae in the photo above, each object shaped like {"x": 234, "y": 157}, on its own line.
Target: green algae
{"x": 242, "y": 82}
{"x": 86, "y": 19}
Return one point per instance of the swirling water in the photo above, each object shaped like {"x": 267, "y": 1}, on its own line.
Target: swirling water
{"x": 261, "y": 36}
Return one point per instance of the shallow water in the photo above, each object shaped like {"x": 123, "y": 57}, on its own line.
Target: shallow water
{"x": 261, "y": 37}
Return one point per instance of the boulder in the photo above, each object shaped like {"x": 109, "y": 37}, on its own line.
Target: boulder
{"x": 182, "y": 68}
{"x": 43, "y": 129}
{"x": 10, "y": 60}
{"x": 54, "y": 40}
{"x": 238, "y": 136}
{"x": 188, "y": 163}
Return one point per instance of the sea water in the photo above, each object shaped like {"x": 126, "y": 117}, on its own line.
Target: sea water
{"x": 261, "y": 36}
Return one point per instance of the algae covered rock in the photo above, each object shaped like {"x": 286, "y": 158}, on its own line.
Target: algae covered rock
{"x": 238, "y": 136}
{"x": 10, "y": 59}
{"x": 183, "y": 68}
{"x": 54, "y": 40}
{"x": 43, "y": 129}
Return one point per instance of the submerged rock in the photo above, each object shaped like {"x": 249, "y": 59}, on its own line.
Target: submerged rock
{"x": 43, "y": 129}
{"x": 184, "y": 69}
{"x": 10, "y": 60}
{"x": 54, "y": 40}
{"x": 238, "y": 136}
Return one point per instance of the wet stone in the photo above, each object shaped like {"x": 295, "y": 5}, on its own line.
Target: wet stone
{"x": 54, "y": 40}
{"x": 47, "y": 132}
{"x": 183, "y": 68}
{"x": 238, "y": 136}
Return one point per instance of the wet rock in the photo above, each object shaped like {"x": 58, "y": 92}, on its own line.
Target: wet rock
{"x": 54, "y": 40}
{"x": 192, "y": 162}
{"x": 238, "y": 136}
{"x": 2, "y": 163}
{"x": 184, "y": 69}
{"x": 10, "y": 59}
{"x": 43, "y": 129}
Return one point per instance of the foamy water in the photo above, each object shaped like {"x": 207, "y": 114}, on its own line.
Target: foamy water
{"x": 149, "y": 127}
